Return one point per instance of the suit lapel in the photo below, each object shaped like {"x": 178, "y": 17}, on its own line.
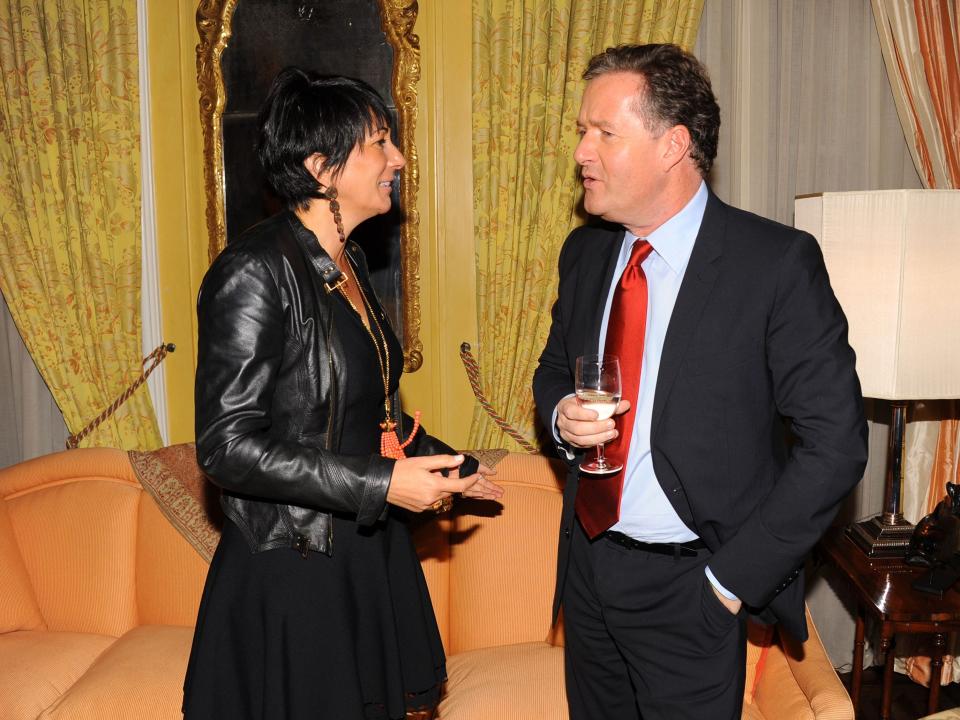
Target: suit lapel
{"x": 600, "y": 275}
{"x": 697, "y": 285}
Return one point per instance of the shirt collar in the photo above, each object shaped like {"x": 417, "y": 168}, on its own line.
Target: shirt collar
{"x": 673, "y": 241}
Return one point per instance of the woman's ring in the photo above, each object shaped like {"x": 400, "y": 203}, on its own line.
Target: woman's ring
{"x": 442, "y": 505}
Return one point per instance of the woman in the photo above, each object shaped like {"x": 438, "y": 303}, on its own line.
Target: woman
{"x": 315, "y": 604}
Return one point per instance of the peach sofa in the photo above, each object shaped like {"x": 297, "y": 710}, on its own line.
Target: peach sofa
{"x": 99, "y": 592}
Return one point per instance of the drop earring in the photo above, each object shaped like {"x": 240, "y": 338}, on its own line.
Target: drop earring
{"x": 330, "y": 193}
{"x": 335, "y": 209}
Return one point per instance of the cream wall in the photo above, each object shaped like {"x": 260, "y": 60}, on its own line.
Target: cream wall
{"x": 448, "y": 256}
{"x": 447, "y": 260}
{"x": 178, "y": 182}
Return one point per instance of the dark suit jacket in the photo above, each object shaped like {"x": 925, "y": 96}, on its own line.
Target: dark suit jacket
{"x": 756, "y": 339}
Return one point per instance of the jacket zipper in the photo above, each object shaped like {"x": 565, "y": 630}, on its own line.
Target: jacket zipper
{"x": 332, "y": 419}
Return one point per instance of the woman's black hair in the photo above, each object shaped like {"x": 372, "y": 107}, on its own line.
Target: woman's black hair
{"x": 306, "y": 113}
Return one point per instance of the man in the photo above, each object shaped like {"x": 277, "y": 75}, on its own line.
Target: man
{"x": 726, "y": 329}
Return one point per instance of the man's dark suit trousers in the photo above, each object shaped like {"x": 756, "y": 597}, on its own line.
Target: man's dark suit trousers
{"x": 648, "y": 638}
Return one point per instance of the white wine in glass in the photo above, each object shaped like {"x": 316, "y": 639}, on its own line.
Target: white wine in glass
{"x": 597, "y": 385}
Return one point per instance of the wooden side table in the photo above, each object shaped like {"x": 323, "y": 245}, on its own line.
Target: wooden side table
{"x": 882, "y": 588}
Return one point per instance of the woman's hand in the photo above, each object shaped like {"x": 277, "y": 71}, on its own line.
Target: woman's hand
{"x": 482, "y": 487}
{"x": 417, "y": 485}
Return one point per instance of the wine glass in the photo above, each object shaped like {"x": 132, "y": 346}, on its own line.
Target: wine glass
{"x": 597, "y": 385}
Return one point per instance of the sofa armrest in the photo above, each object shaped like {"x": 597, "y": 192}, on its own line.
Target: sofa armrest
{"x": 777, "y": 693}
{"x": 817, "y": 678}
{"x": 812, "y": 675}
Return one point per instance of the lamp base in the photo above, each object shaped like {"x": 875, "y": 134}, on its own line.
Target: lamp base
{"x": 879, "y": 539}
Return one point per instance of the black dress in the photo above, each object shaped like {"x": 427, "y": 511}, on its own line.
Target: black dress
{"x": 341, "y": 637}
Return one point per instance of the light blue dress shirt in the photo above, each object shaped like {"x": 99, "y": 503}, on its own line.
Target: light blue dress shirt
{"x": 645, "y": 512}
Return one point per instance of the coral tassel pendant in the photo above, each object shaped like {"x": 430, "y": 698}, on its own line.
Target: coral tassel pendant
{"x": 390, "y": 445}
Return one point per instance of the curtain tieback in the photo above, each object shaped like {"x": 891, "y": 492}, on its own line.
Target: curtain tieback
{"x": 156, "y": 357}
{"x": 473, "y": 375}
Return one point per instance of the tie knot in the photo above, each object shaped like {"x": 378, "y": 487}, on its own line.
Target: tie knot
{"x": 640, "y": 252}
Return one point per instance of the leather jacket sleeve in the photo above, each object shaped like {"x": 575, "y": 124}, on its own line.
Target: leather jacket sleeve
{"x": 245, "y": 351}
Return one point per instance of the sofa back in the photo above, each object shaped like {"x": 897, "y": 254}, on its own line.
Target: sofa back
{"x": 89, "y": 550}
{"x": 170, "y": 572}
{"x": 491, "y": 566}
{"x": 84, "y": 548}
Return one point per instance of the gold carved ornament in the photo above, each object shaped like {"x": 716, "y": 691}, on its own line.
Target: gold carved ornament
{"x": 398, "y": 18}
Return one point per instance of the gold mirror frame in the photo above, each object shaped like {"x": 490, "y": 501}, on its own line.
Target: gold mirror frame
{"x": 398, "y": 18}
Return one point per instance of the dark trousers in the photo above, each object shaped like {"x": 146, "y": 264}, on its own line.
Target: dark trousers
{"x": 646, "y": 637}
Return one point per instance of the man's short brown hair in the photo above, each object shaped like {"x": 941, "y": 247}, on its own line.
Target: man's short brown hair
{"x": 676, "y": 91}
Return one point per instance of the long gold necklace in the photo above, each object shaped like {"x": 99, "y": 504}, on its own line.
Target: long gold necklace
{"x": 390, "y": 445}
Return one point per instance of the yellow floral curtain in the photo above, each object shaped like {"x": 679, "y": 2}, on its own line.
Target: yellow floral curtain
{"x": 70, "y": 205}
{"x": 528, "y": 58}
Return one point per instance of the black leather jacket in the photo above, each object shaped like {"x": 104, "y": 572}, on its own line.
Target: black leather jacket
{"x": 270, "y": 372}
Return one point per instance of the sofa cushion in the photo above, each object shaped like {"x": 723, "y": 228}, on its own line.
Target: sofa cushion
{"x": 18, "y": 606}
{"x": 511, "y": 545}
{"x": 139, "y": 677}
{"x": 520, "y": 682}
{"x": 37, "y": 666}
{"x": 82, "y": 567}
{"x": 526, "y": 682}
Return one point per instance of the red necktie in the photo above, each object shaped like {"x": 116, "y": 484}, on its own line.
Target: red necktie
{"x": 598, "y": 497}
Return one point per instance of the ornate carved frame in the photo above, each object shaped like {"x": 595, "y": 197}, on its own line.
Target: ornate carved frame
{"x": 398, "y": 18}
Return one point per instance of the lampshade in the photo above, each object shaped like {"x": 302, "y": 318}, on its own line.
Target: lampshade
{"x": 894, "y": 262}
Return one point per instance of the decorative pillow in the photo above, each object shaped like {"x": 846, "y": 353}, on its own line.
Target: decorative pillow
{"x": 183, "y": 493}
{"x": 488, "y": 456}
{"x": 18, "y": 606}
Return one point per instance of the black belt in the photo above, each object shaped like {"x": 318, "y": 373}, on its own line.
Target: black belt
{"x": 686, "y": 549}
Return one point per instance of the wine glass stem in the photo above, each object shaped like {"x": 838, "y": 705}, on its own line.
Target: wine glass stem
{"x": 601, "y": 460}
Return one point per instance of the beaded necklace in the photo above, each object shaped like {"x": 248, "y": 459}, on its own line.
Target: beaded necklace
{"x": 390, "y": 445}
